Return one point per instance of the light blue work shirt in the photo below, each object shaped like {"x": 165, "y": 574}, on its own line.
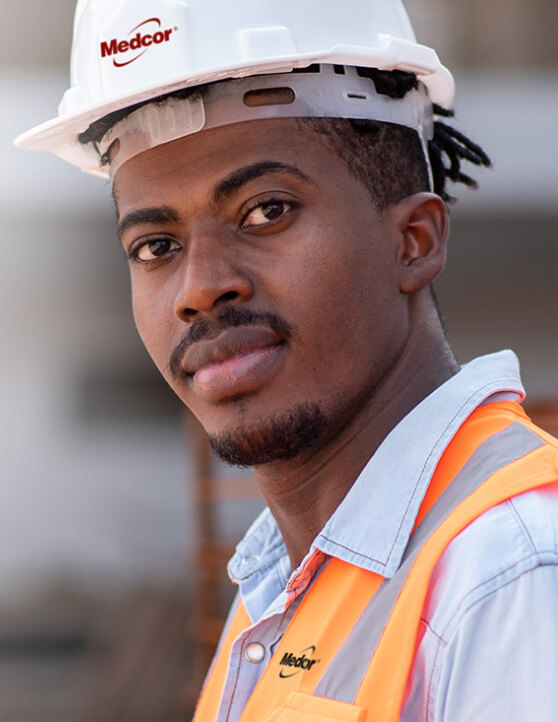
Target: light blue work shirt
{"x": 489, "y": 645}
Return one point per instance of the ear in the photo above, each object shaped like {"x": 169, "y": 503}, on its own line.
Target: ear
{"x": 422, "y": 223}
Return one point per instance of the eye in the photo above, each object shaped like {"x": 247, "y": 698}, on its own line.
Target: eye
{"x": 152, "y": 249}
{"x": 266, "y": 212}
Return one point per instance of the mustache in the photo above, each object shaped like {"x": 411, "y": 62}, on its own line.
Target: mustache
{"x": 229, "y": 317}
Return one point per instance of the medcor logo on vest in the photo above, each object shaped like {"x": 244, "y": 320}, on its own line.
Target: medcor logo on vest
{"x": 301, "y": 662}
{"x": 140, "y": 41}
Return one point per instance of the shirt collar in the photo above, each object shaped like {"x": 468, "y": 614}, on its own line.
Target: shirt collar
{"x": 372, "y": 525}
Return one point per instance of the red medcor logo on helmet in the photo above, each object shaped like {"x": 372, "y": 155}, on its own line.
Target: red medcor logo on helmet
{"x": 140, "y": 41}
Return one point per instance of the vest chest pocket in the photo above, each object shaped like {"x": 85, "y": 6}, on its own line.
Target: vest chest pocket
{"x": 301, "y": 707}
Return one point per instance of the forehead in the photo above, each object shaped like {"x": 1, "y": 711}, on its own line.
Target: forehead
{"x": 199, "y": 162}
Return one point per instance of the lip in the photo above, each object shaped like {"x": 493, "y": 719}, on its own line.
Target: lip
{"x": 233, "y": 363}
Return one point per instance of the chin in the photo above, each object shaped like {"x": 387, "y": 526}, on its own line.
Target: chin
{"x": 272, "y": 439}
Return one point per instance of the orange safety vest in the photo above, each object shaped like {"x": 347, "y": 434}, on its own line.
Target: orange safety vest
{"x": 347, "y": 652}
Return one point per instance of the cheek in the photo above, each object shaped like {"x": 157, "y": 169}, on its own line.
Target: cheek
{"x": 340, "y": 282}
{"x": 155, "y": 321}
{"x": 349, "y": 307}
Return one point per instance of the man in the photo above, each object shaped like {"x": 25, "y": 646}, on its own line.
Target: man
{"x": 279, "y": 171}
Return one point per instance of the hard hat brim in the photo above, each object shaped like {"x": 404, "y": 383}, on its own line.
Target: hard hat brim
{"x": 60, "y": 135}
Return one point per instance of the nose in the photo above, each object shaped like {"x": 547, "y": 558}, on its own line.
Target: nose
{"x": 213, "y": 273}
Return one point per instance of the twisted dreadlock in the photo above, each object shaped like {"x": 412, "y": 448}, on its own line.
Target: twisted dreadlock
{"x": 387, "y": 158}
{"x": 457, "y": 147}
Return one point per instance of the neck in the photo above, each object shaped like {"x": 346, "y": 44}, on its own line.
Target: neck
{"x": 303, "y": 493}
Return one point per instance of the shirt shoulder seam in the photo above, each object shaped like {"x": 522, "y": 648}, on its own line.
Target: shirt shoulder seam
{"x": 540, "y": 559}
{"x": 521, "y": 524}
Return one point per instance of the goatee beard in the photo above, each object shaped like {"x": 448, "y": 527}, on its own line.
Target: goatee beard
{"x": 278, "y": 439}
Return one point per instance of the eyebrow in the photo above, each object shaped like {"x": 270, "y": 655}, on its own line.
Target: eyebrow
{"x": 225, "y": 188}
{"x": 238, "y": 178}
{"x": 157, "y": 214}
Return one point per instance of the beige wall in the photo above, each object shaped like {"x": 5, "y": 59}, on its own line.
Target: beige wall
{"x": 489, "y": 33}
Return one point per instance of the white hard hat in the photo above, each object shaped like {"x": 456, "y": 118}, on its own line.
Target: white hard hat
{"x": 126, "y": 52}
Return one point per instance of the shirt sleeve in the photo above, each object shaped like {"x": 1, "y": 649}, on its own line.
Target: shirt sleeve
{"x": 499, "y": 660}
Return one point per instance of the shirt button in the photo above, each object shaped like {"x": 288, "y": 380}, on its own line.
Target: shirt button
{"x": 255, "y": 652}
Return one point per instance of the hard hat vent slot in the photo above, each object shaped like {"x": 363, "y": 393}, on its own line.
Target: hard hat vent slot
{"x": 269, "y": 96}
{"x": 356, "y": 96}
{"x": 339, "y": 69}
{"x": 314, "y": 68}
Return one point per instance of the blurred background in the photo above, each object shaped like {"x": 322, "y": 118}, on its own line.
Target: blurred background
{"x": 115, "y": 523}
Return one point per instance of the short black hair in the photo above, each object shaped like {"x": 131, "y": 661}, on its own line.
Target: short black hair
{"x": 387, "y": 158}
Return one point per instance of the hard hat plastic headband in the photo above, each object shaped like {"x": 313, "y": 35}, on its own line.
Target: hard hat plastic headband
{"x": 325, "y": 91}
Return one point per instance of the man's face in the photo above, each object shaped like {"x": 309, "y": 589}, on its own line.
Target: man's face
{"x": 265, "y": 284}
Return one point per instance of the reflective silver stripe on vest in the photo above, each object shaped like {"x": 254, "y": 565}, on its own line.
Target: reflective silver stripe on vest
{"x": 342, "y": 679}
